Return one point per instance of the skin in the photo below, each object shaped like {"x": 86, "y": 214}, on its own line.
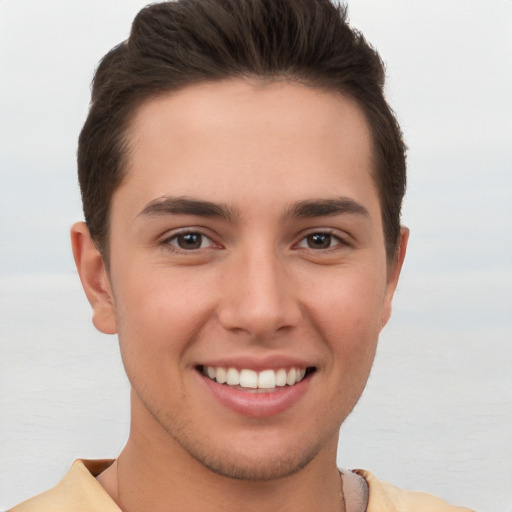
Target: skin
{"x": 265, "y": 280}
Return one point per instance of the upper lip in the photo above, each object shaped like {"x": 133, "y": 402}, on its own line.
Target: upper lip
{"x": 270, "y": 362}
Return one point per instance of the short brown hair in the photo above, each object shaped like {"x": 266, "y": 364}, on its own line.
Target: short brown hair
{"x": 179, "y": 43}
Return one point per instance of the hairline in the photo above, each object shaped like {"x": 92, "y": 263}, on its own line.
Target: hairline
{"x": 128, "y": 122}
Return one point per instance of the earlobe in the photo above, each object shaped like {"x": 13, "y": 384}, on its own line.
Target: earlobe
{"x": 394, "y": 270}
{"x": 94, "y": 278}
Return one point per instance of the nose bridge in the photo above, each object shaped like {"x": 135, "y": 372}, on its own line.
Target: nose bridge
{"x": 258, "y": 297}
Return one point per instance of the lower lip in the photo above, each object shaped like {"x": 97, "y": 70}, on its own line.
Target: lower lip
{"x": 257, "y": 405}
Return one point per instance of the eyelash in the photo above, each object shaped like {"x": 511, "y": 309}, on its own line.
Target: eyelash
{"x": 335, "y": 241}
{"x": 172, "y": 242}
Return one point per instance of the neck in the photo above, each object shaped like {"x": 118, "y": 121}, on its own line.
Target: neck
{"x": 146, "y": 479}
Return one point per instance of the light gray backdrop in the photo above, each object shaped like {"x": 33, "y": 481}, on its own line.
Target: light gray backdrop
{"x": 436, "y": 415}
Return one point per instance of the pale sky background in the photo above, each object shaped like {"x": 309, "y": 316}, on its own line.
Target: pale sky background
{"x": 444, "y": 368}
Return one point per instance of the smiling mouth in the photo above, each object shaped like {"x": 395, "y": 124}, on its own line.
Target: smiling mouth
{"x": 247, "y": 379}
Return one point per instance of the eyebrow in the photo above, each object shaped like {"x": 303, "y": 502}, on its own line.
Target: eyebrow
{"x": 185, "y": 206}
{"x": 168, "y": 205}
{"x": 327, "y": 207}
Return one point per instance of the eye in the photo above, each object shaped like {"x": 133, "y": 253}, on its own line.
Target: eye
{"x": 320, "y": 241}
{"x": 189, "y": 241}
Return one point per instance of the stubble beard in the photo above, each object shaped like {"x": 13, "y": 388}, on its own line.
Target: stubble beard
{"x": 248, "y": 466}
{"x": 256, "y": 469}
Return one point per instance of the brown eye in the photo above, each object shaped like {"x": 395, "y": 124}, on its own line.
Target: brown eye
{"x": 190, "y": 241}
{"x": 319, "y": 241}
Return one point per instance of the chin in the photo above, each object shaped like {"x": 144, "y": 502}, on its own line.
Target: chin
{"x": 258, "y": 468}
{"x": 256, "y": 457}
{"x": 242, "y": 451}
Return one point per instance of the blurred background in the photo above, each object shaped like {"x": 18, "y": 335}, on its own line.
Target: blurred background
{"x": 437, "y": 412}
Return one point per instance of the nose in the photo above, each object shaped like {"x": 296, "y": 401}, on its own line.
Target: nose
{"x": 259, "y": 296}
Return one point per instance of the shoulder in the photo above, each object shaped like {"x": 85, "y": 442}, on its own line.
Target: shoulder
{"x": 78, "y": 491}
{"x": 384, "y": 497}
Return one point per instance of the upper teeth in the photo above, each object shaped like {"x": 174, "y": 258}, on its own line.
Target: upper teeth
{"x": 266, "y": 379}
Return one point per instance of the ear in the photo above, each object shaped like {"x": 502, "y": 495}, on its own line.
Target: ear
{"x": 394, "y": 268}
{"x": 94, "y": 277}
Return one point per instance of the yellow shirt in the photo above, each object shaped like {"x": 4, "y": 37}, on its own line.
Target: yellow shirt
{"x": 79, "y": 491}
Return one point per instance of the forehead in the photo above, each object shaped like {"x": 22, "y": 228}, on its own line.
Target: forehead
{"x": 288, "y": 109}
{"x": 242, "y": 135}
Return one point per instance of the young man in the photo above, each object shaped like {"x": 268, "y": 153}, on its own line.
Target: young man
{"x": 242, "y": 179}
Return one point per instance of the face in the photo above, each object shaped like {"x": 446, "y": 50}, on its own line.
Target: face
{"x": 248, "y": 278}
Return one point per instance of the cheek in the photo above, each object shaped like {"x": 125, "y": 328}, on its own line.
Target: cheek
{"x": 348, "y": 316}
{"x": 158, "y": 313}
{"x": 351, "y": 299}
